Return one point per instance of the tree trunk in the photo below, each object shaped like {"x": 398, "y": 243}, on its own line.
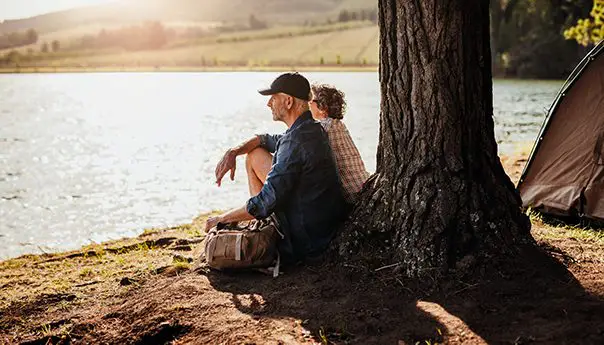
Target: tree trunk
{"x": 440, "y": 198}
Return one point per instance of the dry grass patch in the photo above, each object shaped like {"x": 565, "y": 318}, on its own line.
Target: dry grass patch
{"x": 97, "y": 268}
{"x": 342, "y": 44}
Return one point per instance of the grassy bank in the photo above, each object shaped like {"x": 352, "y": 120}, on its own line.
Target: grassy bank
{"x": 151, "y": 290}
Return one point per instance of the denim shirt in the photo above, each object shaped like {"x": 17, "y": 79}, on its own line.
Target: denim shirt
{"x": 302, "y": 189}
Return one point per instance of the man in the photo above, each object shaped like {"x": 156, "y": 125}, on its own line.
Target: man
{"x": 298, "y": 182}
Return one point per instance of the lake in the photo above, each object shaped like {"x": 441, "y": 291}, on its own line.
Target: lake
{"x": 87, "y": 158}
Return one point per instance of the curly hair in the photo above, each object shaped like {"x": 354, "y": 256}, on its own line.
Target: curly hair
{"x": 329, "y": 99}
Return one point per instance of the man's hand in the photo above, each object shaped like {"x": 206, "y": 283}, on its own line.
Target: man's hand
{"x": 211, "y": 222}
{"x": 228, "y": 162}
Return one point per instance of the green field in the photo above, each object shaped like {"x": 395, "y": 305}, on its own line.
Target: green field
{"x": 350, "y": 44}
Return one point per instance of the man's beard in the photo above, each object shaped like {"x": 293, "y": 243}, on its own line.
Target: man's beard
{"x": 279, "y": 112}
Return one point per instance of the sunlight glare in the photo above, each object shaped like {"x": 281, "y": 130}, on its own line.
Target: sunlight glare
{"x": 17, "y": 9}
{"x": 457, "y": 329}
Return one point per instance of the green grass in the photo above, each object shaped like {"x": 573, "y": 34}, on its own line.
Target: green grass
{"x": 180, "y": 263}
{"x": 86, "y": 272}
{"x": 584, "y": 234}
{"x": 149, "y": 232}
{"x": 143, "y": 247}
{"x": 13, "y": 264}
{"x": 556, "y": 229}
{"x": 191, "y": 230}
{"x": 46, "y": 330}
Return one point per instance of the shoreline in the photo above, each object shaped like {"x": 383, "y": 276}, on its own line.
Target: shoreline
{"x": 152, "y": 289}
{"x": 513, "y": 165}
{"x": 214, "y": 69}
{"x": 187, "y": 69}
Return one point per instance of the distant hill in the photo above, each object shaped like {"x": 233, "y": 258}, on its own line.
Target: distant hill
{"x": 130, "y": 11}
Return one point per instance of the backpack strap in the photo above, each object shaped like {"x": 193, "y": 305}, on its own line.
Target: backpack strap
{"x": 275, "y": 268}
{"x": 275, "y": 221}
{"x": 211, "y": 249}
{"x": 238, "y": 247}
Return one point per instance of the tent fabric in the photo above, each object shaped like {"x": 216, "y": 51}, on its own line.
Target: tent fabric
{"x": 564, "y": 174}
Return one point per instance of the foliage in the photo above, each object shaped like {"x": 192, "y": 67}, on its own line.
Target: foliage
{"x": 149, "y": 35}
{"x": 56, "y": 45}
{"x": 256, "y": 24}
{"x": 18, "y": 39}
{"x": 526, "y": 35}
{"x": 12, "y": 57}
{"x": 344, "y": 16}
{"x": 589, "y": 30}
{"x": 352, "y": 15}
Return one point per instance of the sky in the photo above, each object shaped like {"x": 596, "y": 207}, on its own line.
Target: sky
{"x": 16, "y": 9}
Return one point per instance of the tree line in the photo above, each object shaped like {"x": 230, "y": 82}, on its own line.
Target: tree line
{"x": 353, "y": 15}
{"x": 149, "y": 35}
{"x": 527, "y": 37}
{"x": 532, "y": 38}
{"x": 18, "y": 39}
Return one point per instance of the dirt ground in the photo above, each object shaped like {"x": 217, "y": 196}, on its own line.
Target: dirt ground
{"x": 151, "y": 290}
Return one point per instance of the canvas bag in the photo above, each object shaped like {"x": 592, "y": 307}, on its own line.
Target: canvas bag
{"x": 251, "y": 246}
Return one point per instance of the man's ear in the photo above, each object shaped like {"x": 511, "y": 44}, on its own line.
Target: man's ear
{"x": 289, "y": 103}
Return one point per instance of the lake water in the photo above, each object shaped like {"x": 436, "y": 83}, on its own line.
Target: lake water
{"x": 91, "y": 157}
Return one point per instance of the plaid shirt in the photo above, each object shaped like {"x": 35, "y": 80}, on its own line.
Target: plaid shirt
{"x": 348, "y": 159}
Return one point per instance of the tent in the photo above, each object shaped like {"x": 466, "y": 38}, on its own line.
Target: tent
{"x": 564, "y": 174}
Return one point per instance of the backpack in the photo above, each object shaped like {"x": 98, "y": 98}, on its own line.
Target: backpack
{"x": 231, "y": 246}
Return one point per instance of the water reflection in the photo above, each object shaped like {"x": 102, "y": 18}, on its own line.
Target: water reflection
{"x": 91, "y": 157}
{"x": 519, "y": 110}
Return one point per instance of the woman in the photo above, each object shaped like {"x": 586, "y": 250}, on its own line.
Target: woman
{"x": 327, "y": 106}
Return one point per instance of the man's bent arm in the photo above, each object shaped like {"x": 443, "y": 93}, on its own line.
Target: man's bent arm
{"x": 266, "y": 141}
{"x": 269, "y": 141}
{"x": 247, "y": 146}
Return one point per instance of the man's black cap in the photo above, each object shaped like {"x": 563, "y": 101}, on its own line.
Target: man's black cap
{"x": 292, "y": 84}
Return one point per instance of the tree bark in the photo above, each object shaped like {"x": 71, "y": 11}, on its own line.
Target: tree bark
{"x": 440, "y": 198}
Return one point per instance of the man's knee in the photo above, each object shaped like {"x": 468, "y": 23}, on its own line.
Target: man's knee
{"x": 252, "y": 156}
{"x": 257, "y": 155}
{"x": 259, "y": 161}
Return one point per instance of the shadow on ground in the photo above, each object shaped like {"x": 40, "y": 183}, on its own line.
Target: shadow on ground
{"x": 334, "y": 305}
{"x": 531, "y": 299}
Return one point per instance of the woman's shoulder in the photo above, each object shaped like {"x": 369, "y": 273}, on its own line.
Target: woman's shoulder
{"x": 327, "y": 123}
{"x": 338, "y": 125}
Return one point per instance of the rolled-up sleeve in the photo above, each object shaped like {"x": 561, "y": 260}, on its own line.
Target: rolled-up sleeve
{"x": 269, "y": 141}
{"x": 280, "y": 181}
